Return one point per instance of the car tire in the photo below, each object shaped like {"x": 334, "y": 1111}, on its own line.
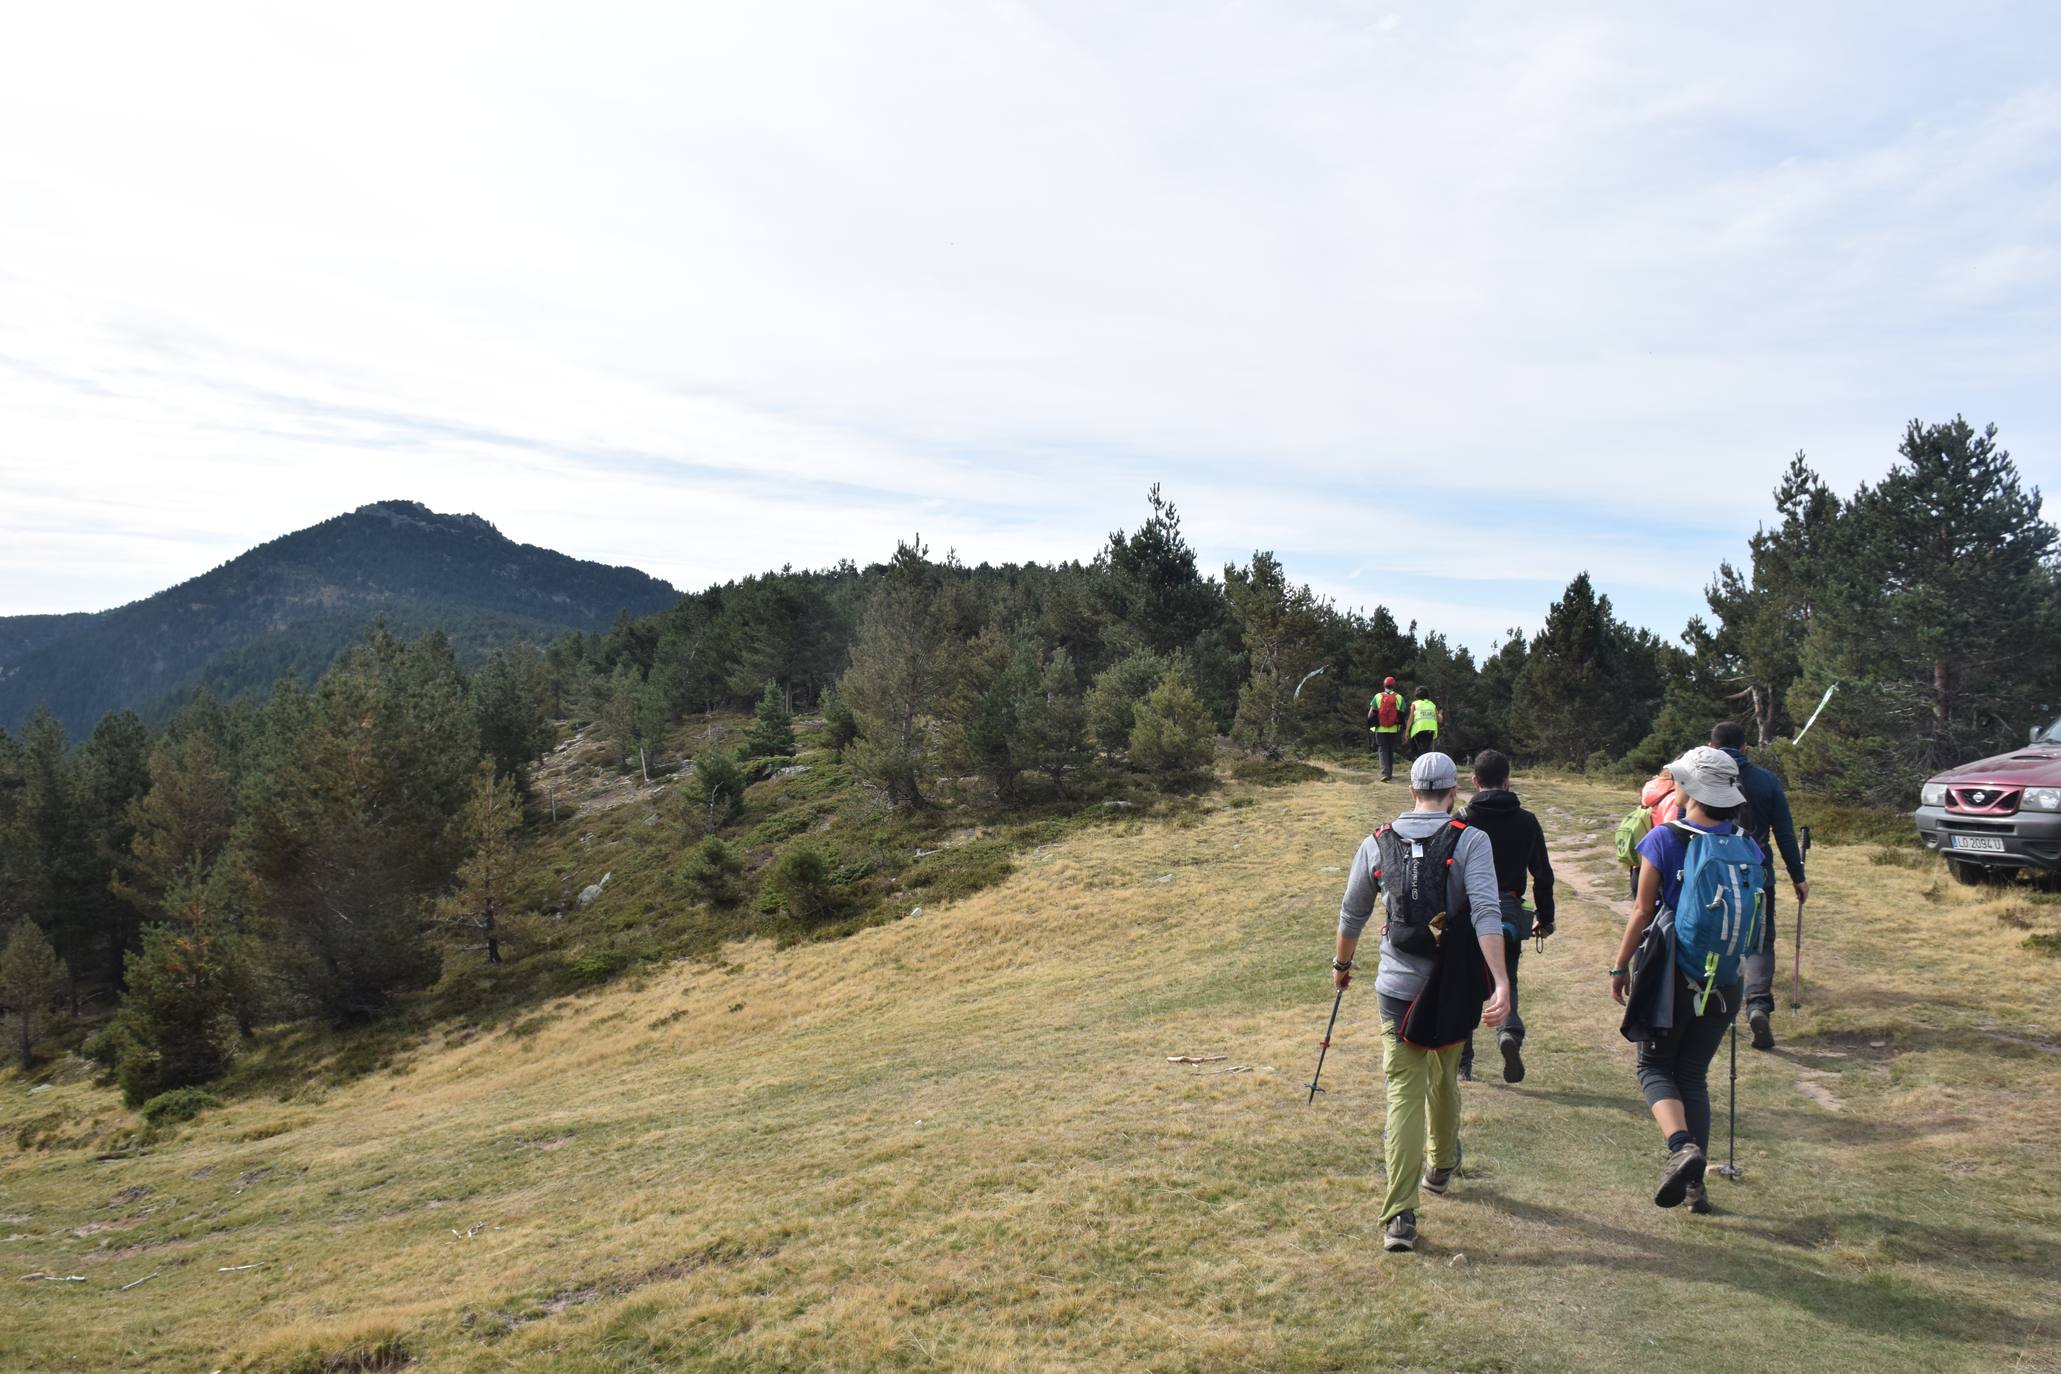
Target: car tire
{"x": 1969, "y": 875}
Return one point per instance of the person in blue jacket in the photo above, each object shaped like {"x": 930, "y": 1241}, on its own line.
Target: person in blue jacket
{"x": 1766, "y": 812}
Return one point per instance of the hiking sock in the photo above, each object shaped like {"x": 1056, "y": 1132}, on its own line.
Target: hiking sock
{"x": 1678, "y": 1140}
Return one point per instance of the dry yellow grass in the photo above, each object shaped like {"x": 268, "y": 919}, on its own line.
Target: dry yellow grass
{"x": 955, "y": 1143}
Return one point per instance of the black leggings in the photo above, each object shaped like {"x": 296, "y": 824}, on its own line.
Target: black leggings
{"x": 1677, "y": 1065}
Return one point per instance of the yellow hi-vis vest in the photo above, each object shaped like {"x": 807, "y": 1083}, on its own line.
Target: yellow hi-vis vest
{"x": 1423, "y": 716}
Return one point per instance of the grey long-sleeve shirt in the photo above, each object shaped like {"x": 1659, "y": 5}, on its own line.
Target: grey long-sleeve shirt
{"x": 1472, "y": 887}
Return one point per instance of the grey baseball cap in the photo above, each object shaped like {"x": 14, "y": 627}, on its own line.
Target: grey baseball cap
{"x": 1708, "y": 775}
{"x": 1434, "y": 772}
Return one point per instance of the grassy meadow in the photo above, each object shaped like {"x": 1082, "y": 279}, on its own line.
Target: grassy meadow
{"x": 955, "y": 1142}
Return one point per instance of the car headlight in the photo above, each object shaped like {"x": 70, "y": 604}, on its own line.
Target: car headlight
{"x": 2040, "y": 799}
{"x": 1933, "y": 794}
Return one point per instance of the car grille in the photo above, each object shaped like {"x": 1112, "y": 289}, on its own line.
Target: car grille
{"x": 1983, "y": 801}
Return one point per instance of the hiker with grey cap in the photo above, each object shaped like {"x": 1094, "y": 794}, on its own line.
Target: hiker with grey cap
{"x": 1441, "y": 946}
{"x": 1680, "y": 967}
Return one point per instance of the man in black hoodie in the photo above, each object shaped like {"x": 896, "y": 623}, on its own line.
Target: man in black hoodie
{"x": 1520, "y": 850}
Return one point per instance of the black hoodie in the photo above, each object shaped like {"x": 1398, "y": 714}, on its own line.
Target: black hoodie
{"x": 1520, "y": 846}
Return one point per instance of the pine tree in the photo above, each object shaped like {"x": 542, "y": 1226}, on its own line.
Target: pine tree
{"x": 347, "y": 832}
{"x": 514, "y": 725}
{"x": 1152, "y": 584}
{"x": 1053, "y": 722}
{"x": 484, "y": 900}
{"x": 1940, "y": 610}
{"x": 1590, "y": 685}
{"x": 174, "y": 1029}
{"x": 898, "y": 678}
{"x": 618, "y": 712}
{"x": 54, "y": 877}
{"x": 1763, "y": 614}
{"x": 772, "y": 728}
{"x": 182, "y": 824}
{"x": 996, "y": 681}
{"x": 1171, "y": 730}
{"x": 32, "y": 978}
{"x": 1112, "y": 702}
{"x": 712, "y": 872}
{"x": 1278, "y": 623}
{"x": 651, "y": 719}
{"x": 112, "y": 774}
{"x": 718, "y": 789}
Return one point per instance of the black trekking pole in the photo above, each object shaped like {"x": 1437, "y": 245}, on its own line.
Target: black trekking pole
{"x": 1324, "y": 1048}
{"x": 1730, "y": 1168}
{"x": 1796, "y": 975}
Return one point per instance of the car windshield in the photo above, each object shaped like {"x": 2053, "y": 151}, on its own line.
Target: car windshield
{"x": 2052, "y": 735}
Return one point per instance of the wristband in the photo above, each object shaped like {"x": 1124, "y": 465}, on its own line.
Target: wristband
{"x": 1618, "y": 971}
{"x": 1343, "y": 965}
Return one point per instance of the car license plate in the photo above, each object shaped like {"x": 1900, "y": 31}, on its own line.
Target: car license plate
{"x": 1987, "y": 843}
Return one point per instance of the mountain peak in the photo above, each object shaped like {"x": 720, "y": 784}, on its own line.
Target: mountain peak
{"x": 289, "y": 606}
{"x": 402, "y": 512}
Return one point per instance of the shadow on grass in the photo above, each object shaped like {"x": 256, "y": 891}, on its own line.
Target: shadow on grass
{"x": 2009, "y": 1252}
{"x": 1629, "y": 1102}
{"x": 1879, "y": 1308}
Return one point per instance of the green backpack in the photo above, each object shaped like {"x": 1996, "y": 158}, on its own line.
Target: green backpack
{"x": 1636, "y": 825}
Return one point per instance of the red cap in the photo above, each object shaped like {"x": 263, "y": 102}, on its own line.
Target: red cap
{"x": 1388, "y": 682}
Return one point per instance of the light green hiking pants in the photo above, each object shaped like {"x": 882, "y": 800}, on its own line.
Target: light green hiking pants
{"x": 1421, "y": 1084}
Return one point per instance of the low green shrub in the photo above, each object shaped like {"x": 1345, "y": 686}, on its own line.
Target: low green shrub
{"x": 598, "y": 966}
{"x": 180, "y": 1104}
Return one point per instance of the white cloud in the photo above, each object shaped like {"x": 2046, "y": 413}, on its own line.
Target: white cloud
{"x": 711, "y": 288}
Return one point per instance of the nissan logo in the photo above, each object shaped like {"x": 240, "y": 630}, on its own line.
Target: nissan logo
{"x": 1979, "y": 797}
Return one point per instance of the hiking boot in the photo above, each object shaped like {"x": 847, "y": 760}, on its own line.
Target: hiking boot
{"x": 1437, "y": 1180}
{"x": 1400, "y": 1233}
{"x": 1698, "y": 1198}
{"x": 1466, "y": 1073}
{"x": 1763, "y": 1033}
{"x": 1684, "y": 1167}
{"x": 1513, "y": 1058}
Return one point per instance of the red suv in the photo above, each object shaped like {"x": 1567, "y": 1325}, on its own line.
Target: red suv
{"x": 1998, "y": 814}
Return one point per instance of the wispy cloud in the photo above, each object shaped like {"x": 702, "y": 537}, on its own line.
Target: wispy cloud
{"x": 1444, "y": 304}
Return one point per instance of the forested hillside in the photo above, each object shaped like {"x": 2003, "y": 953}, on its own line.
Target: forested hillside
{"x": 286, "y": 608}
{"x": 339, "y": 851}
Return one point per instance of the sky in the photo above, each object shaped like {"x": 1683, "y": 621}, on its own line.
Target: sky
{"x": 1440, "y": 303}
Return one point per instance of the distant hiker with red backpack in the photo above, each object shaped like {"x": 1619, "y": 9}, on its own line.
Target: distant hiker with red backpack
{"x": 1658, "y": 804}
{"x": 1385, "y": 719}
{"x": 1680, "y": 968}
{"x": 1441, "y": 956}
{"x": 1519, "y": 843}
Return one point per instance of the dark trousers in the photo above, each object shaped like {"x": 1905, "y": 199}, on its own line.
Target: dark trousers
{"x": 1759, "y": 966}
{"x": 1514, "y": 1027}
{"x": 1384, "y": 741}
{"x": 1677, "y": 1065}
{"x": 1423, "y": 742}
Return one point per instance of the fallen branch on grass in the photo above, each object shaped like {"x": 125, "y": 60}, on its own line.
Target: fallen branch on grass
{"x": 53, "y": 1278}
{"x": 140, "y": 1282}
{"x": 238, "y": 1268}
{"x": 1195, "y": 1058}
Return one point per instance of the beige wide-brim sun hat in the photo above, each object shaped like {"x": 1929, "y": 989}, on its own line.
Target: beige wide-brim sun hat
{"x": 1709, "y": 776}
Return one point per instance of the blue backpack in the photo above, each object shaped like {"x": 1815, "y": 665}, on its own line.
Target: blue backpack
{"x": 1718, "y": 914}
